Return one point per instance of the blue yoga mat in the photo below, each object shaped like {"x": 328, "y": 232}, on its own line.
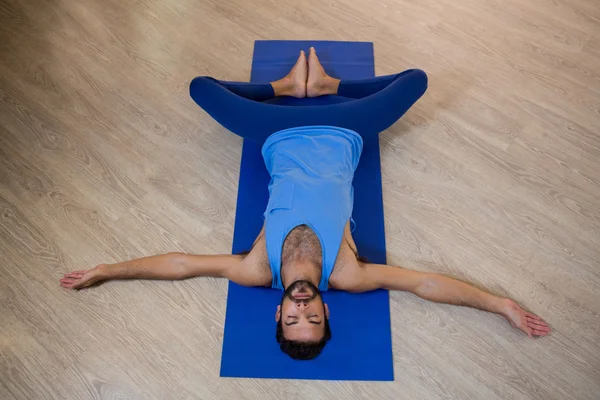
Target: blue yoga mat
{"x": 361, "y": 344}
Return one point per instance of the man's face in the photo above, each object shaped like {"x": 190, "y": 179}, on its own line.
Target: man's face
{"x": 302, "y": 312}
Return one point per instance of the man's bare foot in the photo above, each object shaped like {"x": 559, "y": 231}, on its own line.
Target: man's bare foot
{"x": 294, "y": 83}
{"x": 319, "y": 83}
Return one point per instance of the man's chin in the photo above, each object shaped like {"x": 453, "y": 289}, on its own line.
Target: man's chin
{"x": 301, "y": 290}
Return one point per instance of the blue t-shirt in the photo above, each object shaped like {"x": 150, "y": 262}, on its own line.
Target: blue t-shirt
{"x": 311, "y": 172}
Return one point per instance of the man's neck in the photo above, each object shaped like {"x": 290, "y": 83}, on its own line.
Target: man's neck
{"x": 300, "y": 270}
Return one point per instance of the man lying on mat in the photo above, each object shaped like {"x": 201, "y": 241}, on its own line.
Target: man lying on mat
{"x": 305, "y": 246}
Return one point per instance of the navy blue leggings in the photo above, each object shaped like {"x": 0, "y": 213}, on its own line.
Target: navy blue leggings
{"x": 366, "y": 106}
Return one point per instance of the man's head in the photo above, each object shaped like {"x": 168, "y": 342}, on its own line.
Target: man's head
{"x": 302, "y": 321}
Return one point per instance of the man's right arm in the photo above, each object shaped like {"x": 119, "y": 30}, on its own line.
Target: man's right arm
{"x": 170, "y": 266}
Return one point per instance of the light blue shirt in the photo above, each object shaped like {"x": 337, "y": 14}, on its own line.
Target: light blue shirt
{"x": 311, "y": 172}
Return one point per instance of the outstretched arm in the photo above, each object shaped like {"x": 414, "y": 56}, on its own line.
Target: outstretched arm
{"x": 171, "y": 266}
{"x": 442, "y": 289}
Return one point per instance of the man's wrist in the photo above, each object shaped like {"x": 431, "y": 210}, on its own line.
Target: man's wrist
{"x": 104, "y": 271}
{"x": 500, "y": 305}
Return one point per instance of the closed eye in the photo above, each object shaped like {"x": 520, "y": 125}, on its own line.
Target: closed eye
{"x": 294, "y": 321}
{"x": 313, "y": 321}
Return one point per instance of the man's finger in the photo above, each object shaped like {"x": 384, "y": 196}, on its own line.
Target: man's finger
{"x": 74, "y": 275}
{"x": 533, "y": 316}
{"x": 533, "y": 325}
{"x": 536, "y": 322}
{"x": 526, "y": 329}
{"x": 544, "y": 328}
{"x": 537, "y": 332}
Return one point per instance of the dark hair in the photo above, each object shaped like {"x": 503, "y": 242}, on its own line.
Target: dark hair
{"x": 302, "y": 350}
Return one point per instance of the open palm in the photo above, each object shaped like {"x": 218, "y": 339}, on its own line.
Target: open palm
{"x": 80, "y": 279}
{"x": 529, "y": 323}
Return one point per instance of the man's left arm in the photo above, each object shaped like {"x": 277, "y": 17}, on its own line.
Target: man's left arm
{"x": 442, "y": 289}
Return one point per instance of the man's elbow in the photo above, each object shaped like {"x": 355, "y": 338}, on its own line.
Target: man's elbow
{"x": 427, "y": 286}
{"x": 178, "y": 265}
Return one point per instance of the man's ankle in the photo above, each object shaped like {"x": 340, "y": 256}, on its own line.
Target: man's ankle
{"x": 333, "y": 85}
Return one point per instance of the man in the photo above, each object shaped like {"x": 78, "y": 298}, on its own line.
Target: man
{"x": 306, "y": 244}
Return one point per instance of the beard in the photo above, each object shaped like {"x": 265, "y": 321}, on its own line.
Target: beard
{"x": 302, "y": 286}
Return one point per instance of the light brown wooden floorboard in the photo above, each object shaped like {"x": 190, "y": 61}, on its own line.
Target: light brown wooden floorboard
{"x": 492, "y": 177}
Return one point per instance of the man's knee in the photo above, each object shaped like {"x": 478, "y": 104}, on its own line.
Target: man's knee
{"x": 419, "y": 78}
{"x": 200, "y": 86}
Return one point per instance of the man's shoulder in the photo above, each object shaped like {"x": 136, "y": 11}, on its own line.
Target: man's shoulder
{"x": 347, "y": 269}
{"x": 254, "y": 269}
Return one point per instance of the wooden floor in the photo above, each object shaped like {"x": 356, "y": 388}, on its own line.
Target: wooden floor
{"x": 492, "y": 177}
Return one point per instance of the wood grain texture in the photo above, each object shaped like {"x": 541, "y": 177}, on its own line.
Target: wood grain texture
{"x": 492, "y": 177}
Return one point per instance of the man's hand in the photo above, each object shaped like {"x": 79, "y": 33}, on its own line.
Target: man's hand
{"x": 531, "y": 324}
{"x": 82, "y": 279}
